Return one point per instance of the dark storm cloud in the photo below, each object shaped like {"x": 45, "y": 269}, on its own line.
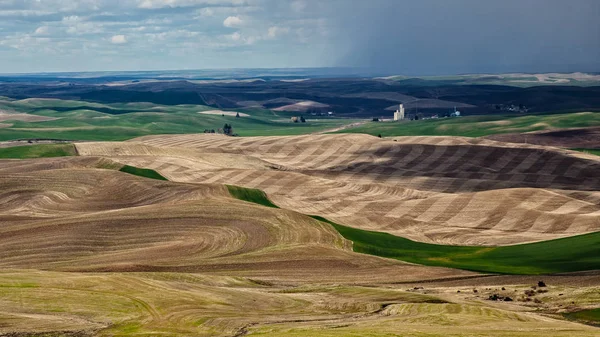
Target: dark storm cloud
{"x": 387, "y": 36}
{"x": 469, "y": 36}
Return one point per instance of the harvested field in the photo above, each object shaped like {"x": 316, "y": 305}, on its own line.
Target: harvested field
{"x": 87, "y": 250}
{"x": 480, "y": 126}
{"x": 224, "y": 113}
{"x": 109, "y": 304}
{"x": 187, "y": 228}
{"x": 6, "y": 116}
{"x": 430, "y": 103}
{"x": 302, "y": 106}
{"x": 583, "y": 138}
{"x": 430, "y": 189}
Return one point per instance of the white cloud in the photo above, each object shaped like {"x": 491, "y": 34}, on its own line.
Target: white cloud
{"x": 43, "y": 30}
{"x": 227, "y": 10}
{"x": 298, "y": 5}
{"x": 236, "y": 36}
{"x": 148, "y": 4}
{"x": 240, "y": 38}
{"x": 275, "y": 31}
{"x": 177, "y": 36}
{"x": 118, "y": 39}
{"x": 77, "y": 25}
{"x": 151, "y": 4}
{"x": 71, "y": 19}
{"x": 206, "y": 11}
{"x": 150, "y": 27}
{"x": 233, "y": 21}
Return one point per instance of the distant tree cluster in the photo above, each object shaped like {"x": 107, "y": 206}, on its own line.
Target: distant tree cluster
{"x": 227, "y": 129}
{"x": 295, "y": 119}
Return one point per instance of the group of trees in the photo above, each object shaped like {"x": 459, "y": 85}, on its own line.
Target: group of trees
{"x": 296, "y": 119}
{"x": 226, "y": 130}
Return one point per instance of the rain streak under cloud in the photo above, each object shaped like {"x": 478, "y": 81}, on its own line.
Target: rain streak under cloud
{"x": 388, "y": 36}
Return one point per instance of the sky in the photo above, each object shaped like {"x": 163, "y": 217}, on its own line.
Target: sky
{"x": 411, "y": 37}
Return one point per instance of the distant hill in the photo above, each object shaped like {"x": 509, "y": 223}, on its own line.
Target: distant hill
{"x": 513, "y": 79}
{"x": 347, "y": 97}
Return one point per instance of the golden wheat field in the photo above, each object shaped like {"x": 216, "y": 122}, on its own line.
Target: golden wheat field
{"x": 87, "y": 250}
{"x": 431, "y": 189}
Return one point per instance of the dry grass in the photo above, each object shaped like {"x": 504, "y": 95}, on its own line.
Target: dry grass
{"x": 172, "y": 304}
{"x": 87, "y": 219}
{"x": 8, "y": 116}
{"x": 87, "y": 250}
{"x": 224, "y": 113}
{"x": 302, "y": 106}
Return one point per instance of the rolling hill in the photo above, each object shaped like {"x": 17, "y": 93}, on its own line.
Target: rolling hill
{"x": 430, "y": 189}
{"x": 95, "y": 245}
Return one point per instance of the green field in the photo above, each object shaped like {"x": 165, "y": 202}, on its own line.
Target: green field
{"x": 576, "y": 253}
{"x": 92, "y": 121}
{"x": 78, "y": 120}
{"x": 478, "y": 126}
{"x": 38, "y": 151}
{"x": 251, "y": 195}
{"x": 590, "y": 151}
{"x": 591, "y": 316}
{"x": 146, "y": 173}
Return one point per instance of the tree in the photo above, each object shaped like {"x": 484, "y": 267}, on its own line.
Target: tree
{"x": 227, "y": 129}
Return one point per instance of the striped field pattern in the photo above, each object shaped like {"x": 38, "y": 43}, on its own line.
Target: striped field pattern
{"x": 432, "y": 189}
{"x": 66, "y": 214}
{"x": 88, "y": 250}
